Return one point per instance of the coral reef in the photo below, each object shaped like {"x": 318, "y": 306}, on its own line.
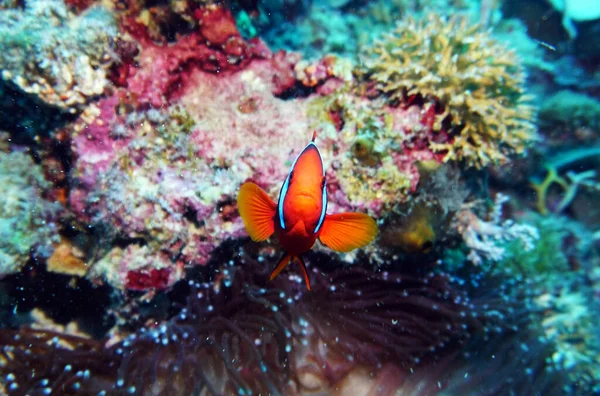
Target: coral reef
{"x": 27, "y": 221}
{"x": 336, "y": 27}
{"x": 56, "y": 56}
{"x": 562, "y": 245}
{"x": 140, "y": 150}
{"x": 474, "y": 86}
{"x": 373, "y": 168}
{"x": 487, "y": 240}
{"x": 129, "y": 126}
{"x": 567, "y": 322}
{"x": 164, "y": 180}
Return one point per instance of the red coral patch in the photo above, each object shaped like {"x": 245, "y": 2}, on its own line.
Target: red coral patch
{"x": 143, "y": 280}
{"x": 216, "y": 24}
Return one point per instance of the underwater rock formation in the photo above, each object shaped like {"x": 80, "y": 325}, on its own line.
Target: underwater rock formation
{"x": 28, "y": 222}
{"x": 158, "y": 165}
{"x": 60, "y": 58}
{"x": 166, "y": 179}
{"x": 570, "y": 118}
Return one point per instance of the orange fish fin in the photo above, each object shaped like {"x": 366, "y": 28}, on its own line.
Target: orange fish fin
{"x": 287, "y": 258}
{"x": 304, "y": 271}
{"x": 344, "y": 232}
{"x": 257, "y": 211}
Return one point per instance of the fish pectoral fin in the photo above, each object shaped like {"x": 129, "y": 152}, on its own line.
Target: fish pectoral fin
{"x": 287, "y": 258}
{"x": 257, "y": 211}
{"x": 344, "y": 232}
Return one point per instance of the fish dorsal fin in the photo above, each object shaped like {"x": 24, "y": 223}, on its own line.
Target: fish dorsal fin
{"x": 257, "y": 211}
{"x": 344, "y": 232}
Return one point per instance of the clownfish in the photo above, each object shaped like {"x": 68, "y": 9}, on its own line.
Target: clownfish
{"x": 300, "y": 215}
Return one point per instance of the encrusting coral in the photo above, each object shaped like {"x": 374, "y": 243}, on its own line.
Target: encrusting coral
{"x": 473, "y": 85}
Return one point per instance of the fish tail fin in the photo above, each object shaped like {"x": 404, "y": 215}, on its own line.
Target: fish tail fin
{"x": 285, "y": 260}
{"x": 344, "y": 232}
{"x": 257, "y": 211}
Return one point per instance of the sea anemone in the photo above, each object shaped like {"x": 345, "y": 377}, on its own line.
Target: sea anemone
{"x": 236, "y": 336}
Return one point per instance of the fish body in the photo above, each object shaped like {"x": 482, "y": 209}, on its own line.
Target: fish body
{"x": 300, "y": 216}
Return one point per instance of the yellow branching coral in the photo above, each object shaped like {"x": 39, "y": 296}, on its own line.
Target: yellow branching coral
{"x": 477, "y": 82}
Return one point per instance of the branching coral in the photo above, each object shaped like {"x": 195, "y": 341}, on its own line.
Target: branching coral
{"x": 475, "y": 84}
{"x": 27, "y": 221}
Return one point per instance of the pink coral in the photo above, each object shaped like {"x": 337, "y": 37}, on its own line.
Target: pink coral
{"x": 160, "y": 159}
{"x": 168, "y": 175}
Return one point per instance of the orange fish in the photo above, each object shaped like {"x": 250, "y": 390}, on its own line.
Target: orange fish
{"x": 299, "y": 217}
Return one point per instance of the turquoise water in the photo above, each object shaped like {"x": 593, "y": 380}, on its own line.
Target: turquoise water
{"x": 277, "y": 197}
